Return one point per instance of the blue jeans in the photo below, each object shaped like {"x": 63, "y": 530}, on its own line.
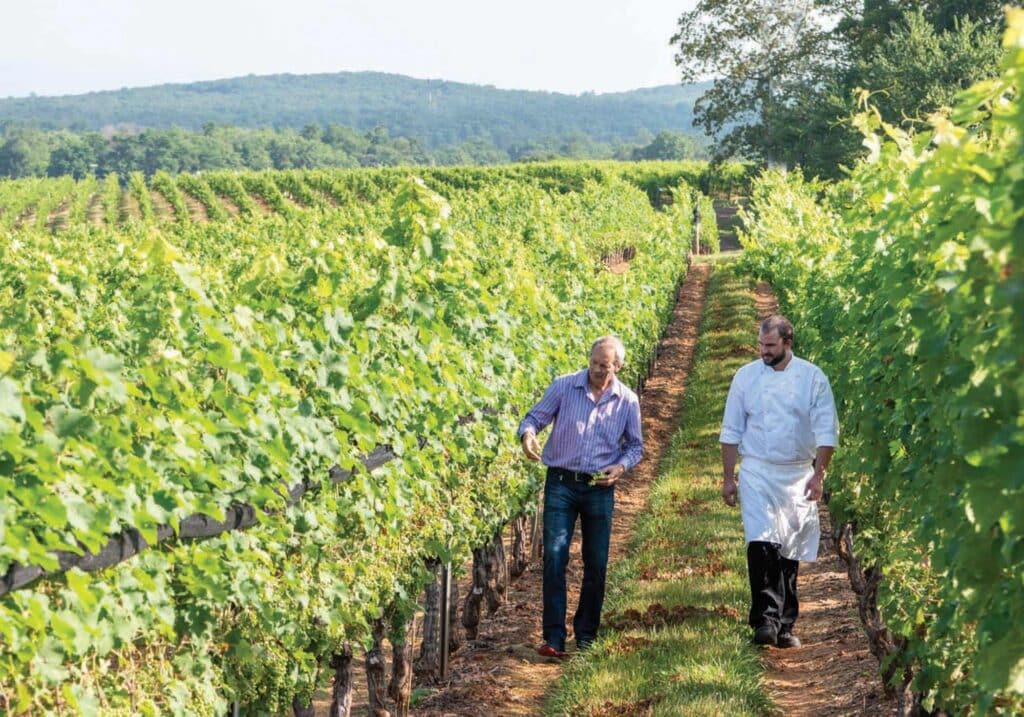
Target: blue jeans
{"x": 564, "y": 500}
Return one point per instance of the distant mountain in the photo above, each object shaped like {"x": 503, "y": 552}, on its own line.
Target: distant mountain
{"x": 436, "y": 112}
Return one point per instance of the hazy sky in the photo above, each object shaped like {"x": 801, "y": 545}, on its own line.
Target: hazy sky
{"x": 50, "y": 47}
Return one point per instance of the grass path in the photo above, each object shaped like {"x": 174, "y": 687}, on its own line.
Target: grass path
{"x": 678, "y": 643}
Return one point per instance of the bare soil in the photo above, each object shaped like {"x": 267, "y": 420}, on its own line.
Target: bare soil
{"x": 161, "y": 207}
{"x": 58, "y": 219}
{"x": 229, "y": 205}
{"x": 128, "y": 207}
{"x": 196, "y": 209}
{"x": 94, "y": 210}
{"x": 833, "y": 673}
{"x": 27, "y": 218}
{"x": 261, "y": 204}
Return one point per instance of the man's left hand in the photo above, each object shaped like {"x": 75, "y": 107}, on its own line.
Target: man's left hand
{"x": 814, "y": 486}
{"x": 609, "y": 476}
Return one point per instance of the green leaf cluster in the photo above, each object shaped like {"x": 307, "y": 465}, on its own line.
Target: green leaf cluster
{"x": 162, "y": 370}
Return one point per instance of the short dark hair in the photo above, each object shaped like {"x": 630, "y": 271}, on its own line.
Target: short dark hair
{"x": 778, "y": 322}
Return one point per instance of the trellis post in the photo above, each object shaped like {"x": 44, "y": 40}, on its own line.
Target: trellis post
{"x": 446, "y": 625}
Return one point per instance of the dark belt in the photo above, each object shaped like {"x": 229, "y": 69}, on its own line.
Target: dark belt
{"x": 575, "y": 476}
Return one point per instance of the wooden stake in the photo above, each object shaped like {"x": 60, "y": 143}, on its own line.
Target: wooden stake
{"x": 537, "y": 529}
{"x": 446, "y": 626}
{"x": 454, "y": 636}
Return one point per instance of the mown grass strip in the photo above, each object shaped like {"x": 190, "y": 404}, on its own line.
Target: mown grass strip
{"x": 677, "y": 642}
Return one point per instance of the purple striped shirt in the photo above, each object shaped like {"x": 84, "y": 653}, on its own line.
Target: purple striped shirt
{"x": 587, "y": 436}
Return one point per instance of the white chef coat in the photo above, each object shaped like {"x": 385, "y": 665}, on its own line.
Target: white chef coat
{"x": 779, "y": 419}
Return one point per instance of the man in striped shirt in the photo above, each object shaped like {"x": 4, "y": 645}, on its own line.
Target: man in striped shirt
{"x": 595, "y": 439}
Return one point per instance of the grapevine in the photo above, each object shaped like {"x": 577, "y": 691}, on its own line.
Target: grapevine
{"x": 906, "y": 283}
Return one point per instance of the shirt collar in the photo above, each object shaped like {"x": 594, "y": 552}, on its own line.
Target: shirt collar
{"x": 765, "y": 367}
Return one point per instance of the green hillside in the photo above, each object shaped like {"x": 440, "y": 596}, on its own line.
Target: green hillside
{"x": 436, "y": 112}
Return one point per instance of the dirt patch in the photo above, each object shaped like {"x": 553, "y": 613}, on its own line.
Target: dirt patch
{"x": 27, "y": 218}
{"x": 643, "y": 708}
{"x": 501, "y": 673}
{"x": 833, "y": 673}
{"x": 261, "y": 204}
{"x": 94, "y": 210}
{"x": 57, "y": 221}
{"x": 626, "y": 644}
{"x": 618, "y": 261}
{"x": 128, "y": 208}
{"x": 741, "y": 351}
{"x": 690, "y": 506}
{"x": 161, "y": 207}
{"x": 660, "y": 573}
{"x": 229, "y": 205}
{"x": 657, "y": 615}
{"x": 196, "y": 209}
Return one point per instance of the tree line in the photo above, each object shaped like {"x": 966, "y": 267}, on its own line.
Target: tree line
{"x": 791, "y": 73}
{"x": 30, "y": 152}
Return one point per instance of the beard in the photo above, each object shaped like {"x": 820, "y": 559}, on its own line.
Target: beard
{"x": 774, "y": 360}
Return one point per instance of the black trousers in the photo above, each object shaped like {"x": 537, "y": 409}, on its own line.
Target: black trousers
{"x": 772, "y": 587}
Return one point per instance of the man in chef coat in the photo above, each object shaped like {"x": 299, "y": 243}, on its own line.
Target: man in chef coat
{"x": 780, "y": 416}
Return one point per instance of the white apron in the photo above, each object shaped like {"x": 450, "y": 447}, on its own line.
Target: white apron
{"x": 775, "y": 510}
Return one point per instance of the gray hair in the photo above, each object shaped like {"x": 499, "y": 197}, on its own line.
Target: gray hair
{"x": 615, "y": 342}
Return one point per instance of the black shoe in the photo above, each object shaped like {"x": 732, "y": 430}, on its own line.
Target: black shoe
{"x": 583, "y": 645}
{"x": 765, "y": 635}
{"x": 787, "y": 639}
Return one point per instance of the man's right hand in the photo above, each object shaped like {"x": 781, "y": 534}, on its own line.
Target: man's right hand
{"x": 530, "y": 446}
{"x": 729, "y": 491}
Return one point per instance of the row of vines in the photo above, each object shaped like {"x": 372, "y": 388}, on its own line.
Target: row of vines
{"x": 159, "y": 371}
{"x": 57, "y": 204}
{"x": 906, "y": 284}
